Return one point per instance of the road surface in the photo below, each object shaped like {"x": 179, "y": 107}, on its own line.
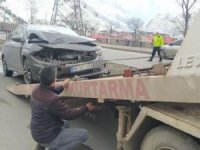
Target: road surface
{"x": 15, "y": 121}
{"x": 15, "y": 113}
{"x": 140, "y": 62}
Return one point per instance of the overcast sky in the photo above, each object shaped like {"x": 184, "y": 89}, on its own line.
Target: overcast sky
{"x": 150, "y": 8}
{"x": 146, "y": 9}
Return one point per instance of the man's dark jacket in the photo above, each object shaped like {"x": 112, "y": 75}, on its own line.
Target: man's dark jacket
{"x": 48, "y": 111}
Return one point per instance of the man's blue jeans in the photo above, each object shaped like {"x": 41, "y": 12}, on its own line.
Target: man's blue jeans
{"x": 68, "y": 138}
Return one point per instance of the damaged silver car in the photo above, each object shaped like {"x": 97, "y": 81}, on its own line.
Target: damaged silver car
{"x": 31, "y": 47}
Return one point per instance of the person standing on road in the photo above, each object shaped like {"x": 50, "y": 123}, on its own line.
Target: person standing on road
{"x": 157, "y": 42}
{"x": 50, "y": 115}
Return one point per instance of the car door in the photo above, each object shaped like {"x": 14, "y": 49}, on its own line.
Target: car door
{"x": 176, "y": 47}
{"x": 14, "y": 48}
{"x": 173, "y": 47}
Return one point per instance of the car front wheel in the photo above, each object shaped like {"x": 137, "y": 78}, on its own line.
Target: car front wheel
{"x": 163, "y": 54}
{"x": 28, "y": 77}
{"x": 6, "y": 72}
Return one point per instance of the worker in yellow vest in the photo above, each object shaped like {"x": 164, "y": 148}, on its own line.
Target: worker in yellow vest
{"x": 157, "y": 42}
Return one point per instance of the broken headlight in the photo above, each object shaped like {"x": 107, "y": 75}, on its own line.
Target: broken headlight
{"x": 99, "y": 52}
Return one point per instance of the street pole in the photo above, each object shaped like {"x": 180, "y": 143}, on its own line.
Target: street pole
{"x": 77, "y": 11}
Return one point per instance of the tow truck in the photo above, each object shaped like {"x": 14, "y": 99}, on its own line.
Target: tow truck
{"x": 168, "y": 100}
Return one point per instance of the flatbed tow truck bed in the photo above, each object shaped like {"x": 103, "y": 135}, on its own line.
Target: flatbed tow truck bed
{"x": 169, "y": 103}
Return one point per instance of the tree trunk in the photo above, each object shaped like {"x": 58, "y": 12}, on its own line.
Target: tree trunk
{"x": 187, "y": 17}
{"x": 135, "y": 35}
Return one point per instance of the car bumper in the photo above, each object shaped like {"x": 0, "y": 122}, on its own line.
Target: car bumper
{"x": 98, "y": 68}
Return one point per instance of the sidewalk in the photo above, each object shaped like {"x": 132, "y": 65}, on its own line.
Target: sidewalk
{"x": 127, "y": 48}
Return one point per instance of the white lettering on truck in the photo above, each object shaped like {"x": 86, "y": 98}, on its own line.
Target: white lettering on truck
{"x": 189, "y": 62}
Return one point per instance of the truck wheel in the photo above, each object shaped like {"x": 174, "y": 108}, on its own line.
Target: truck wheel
{"x": 162, "y": 54}
{"x": 6, "y": 72}
{"x": 167, "y": 138}
{"x": 28, "y": 77}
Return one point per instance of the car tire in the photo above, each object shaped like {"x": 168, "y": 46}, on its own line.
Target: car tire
{"x": 162, "y": 54}
{"x": 28, "y": 76}
{"x": 6, "y": 72}
{"x": 167, "y": 138}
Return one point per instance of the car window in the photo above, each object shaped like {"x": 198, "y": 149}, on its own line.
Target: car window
{"x": 177, "y": 43}
{"x": 18, "y": 32}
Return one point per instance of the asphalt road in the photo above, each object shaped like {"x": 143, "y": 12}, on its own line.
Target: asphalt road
{"x": 132, "y": 59}
{"x": 15, "y": 112}
{"x": 15, "y": 121}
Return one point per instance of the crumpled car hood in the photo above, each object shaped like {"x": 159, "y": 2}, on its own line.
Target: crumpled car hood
{"x": 63, "y": 41}
{"x": 75, "y": 47}
{"x": 59, "y": 38}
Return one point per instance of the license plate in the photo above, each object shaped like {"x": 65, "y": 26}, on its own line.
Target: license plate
{"x": 81, "y": 68}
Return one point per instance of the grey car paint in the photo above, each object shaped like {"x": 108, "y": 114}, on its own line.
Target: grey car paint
{"x": 15, "y": 52}
{"x": 170, "y": 50}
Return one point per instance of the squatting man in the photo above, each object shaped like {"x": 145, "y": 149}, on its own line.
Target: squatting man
{"x": 50, "y": 115}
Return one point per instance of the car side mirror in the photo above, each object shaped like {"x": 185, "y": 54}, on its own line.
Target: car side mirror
{"x": 18, "y": 39}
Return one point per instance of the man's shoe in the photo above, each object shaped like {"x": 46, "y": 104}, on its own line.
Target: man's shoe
{"x": 149, "y": 60}
{"x": 160, "y": 60}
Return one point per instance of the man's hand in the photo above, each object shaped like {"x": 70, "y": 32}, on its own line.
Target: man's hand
{"x": 65, "y": 83}
{"x": 90, "y": 106}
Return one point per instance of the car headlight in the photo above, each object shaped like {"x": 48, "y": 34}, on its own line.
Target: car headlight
{"x": 99, "y": 52}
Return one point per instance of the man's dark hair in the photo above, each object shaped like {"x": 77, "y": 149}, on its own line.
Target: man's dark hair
{"x": 47, "y": 75}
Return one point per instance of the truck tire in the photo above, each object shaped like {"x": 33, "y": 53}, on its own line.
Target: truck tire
{"x": 167, "y": 138}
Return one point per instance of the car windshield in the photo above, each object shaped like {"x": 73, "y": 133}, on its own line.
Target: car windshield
{"x": 177, "y": 43}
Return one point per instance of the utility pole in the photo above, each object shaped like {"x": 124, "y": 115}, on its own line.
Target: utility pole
{"x": 55, "y": 12}
{"x": 78, "y": 16}
{"x": 75, "y": 5}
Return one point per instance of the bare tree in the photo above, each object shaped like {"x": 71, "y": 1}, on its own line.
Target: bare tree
{"x": 112, "y": 26}
{"x": 135, "y": 24}
{"x": 94, "y": 27}
{"x": 33, "y": 8}
{"x": 69, "y": 20}
{"x": 179, "y": 25}
{"x": 89, "y": 26}
{"x": 41, "y": 21}
{"x": 186, "y": 6}
{"x": 2, "y": 1}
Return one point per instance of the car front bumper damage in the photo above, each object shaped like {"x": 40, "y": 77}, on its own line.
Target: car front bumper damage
{"x": 83, "y": 70}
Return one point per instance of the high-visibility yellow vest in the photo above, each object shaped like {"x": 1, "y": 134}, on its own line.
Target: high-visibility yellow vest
{"x": 158, "y": 41}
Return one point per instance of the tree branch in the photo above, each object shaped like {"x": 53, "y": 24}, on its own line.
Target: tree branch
{"x": 194, "y": 1}
{"x": 179, "y": 3}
